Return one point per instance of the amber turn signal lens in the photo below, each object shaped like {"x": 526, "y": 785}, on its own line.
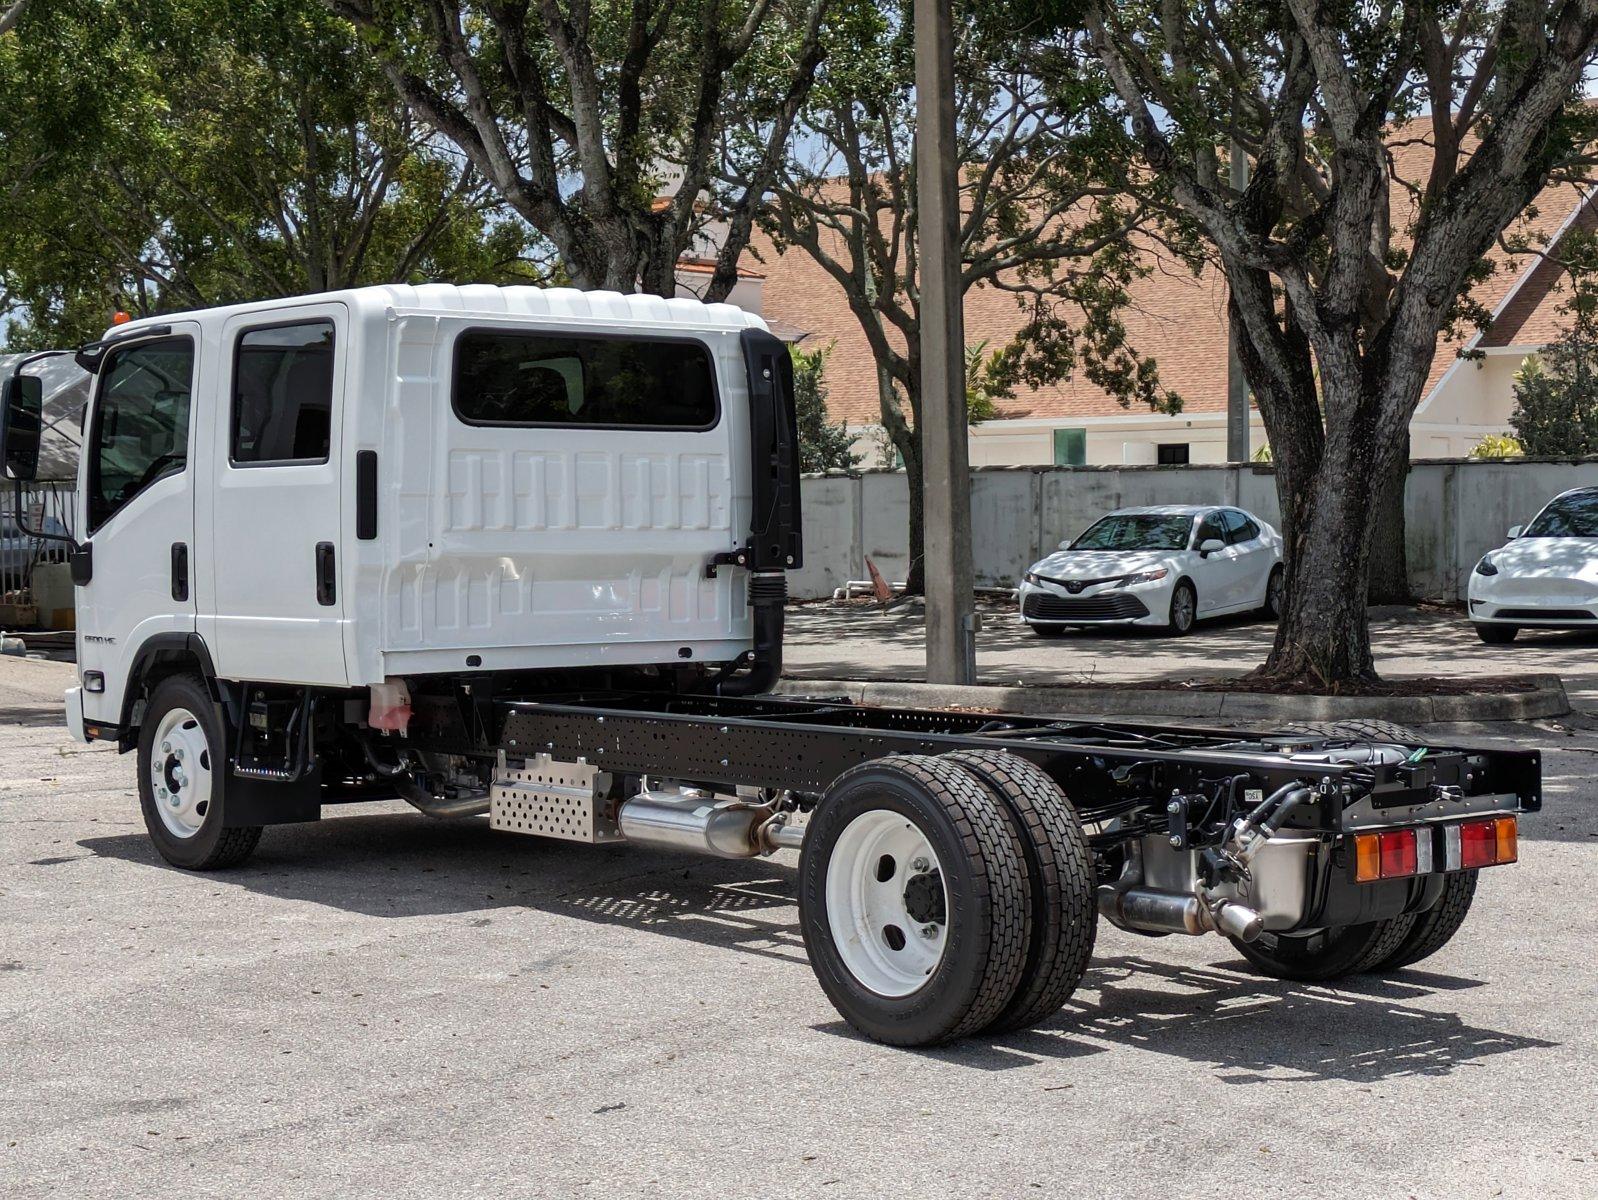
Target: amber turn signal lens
{"x": 1368, "y": 857}
{"x": 1508, "y": 840}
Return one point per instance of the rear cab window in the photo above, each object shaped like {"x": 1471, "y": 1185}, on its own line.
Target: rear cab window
{"x": 282, "y": 404}
{"x": 543, "y": 379}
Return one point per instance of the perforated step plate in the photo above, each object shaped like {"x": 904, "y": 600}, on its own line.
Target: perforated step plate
{"x": 550, "y": 799}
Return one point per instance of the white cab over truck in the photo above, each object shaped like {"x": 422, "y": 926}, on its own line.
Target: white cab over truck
{"x": 520, "y": 553}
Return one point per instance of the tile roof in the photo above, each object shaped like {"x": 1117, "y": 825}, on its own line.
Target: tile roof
{"x": 1174, "y": 316}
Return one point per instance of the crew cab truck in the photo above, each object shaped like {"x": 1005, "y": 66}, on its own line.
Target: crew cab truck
{"x": 521, "y": 553}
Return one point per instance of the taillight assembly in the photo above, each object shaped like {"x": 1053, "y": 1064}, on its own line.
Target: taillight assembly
{"x": 1400, "y": 853}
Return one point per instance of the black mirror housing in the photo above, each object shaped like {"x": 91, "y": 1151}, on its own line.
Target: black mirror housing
{"x": 21, "y": 426}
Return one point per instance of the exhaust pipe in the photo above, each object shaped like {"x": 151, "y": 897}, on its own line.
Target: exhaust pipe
{"x": 702, "y": 823}
{"x": 1149, "y": 910}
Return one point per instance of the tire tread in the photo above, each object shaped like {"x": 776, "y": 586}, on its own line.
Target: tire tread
{"x": 1064, "y": 914}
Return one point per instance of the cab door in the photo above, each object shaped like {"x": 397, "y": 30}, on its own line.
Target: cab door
{"x": 271, "y": 606}
{"x": 136, "y": 488}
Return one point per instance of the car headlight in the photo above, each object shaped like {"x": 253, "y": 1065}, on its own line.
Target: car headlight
{"x": 1486, "y": 567}
{"x": 1143, "y": 577}
{"x": 1029, "y": 577}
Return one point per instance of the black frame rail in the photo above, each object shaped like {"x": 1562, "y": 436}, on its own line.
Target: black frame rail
{"x": 802, "y": 745}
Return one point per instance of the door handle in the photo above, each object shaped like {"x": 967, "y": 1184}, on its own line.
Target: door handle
{"x": 180, "y": 571}
{"x": 326, "y": 592}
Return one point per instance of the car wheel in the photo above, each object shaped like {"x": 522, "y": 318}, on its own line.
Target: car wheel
{"x": 1184, "y": 610}
{"x": 1273, "y": 592}
{"x": 1049, "y": 631}
{"x": 1497, "y": 635}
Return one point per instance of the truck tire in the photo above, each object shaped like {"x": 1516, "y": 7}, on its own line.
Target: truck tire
{"x": 914, "y": 901}
{"x": 1434, "y": 928}
{"x": 1329, "y": 954}
{"x": 1369, "y": 729}
{"x": 183, "y": 779}
{"x": 1064, "y": 911}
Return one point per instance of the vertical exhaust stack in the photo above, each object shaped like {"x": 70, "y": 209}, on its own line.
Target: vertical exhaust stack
{"x": 776, "y": 543}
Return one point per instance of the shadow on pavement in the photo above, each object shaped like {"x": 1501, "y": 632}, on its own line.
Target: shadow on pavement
{"x": 1247, "y": 1028}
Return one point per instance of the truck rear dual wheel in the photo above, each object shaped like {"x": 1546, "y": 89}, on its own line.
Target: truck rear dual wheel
{"x": 1328, "y": 953}
{"x": 926, "y": 913}
{"x": 183, "y": 779}
{"x": 1374, "y": 948}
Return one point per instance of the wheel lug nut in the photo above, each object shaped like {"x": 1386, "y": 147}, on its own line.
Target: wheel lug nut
{"x": 919, "y": 864}
{"x": 166, "y": 747}
{"x": 178, "y": 754}
{"x": 929, "y": 931}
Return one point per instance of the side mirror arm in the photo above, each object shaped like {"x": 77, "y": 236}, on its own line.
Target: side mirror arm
{"x": 77, "y": 547}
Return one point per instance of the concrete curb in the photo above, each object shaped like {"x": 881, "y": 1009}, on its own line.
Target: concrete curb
{"x": 1545, "y": 699}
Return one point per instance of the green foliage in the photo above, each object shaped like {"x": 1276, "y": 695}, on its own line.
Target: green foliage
{"x": 167, "y": 154}
{"x": 1556, "y": 392}
{"x": 1497, "y": 445}
{"x": 583, "y": 112}
{"x": 823, "y": 446}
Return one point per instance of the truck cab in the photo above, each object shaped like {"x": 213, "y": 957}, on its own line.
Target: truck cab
{"x": 336, "y": 491}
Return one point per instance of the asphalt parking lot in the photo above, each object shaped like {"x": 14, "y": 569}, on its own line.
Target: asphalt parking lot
{"x": 383, "y": 1005}
{"x": 861, "y": 641}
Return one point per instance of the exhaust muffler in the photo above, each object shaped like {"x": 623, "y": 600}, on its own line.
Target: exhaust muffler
{"x": 1149, "y": 910}
{"x": 703, "y": 823}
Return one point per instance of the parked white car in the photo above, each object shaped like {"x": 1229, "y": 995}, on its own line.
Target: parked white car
{"x": 1547, "y": 574}
{"x": 1168, "y": 566}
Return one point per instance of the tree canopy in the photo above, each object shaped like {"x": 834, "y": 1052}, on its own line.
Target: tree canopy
{"x": 1342, "y": 269}
{"x": 167, "y": 154}
{"x": 1047, "y": 214}
{"x": 610, "y": 127}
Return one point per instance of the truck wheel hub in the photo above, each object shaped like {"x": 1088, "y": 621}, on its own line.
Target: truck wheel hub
{"x": 886, "y": 916}
{"x": 180, "y": 773}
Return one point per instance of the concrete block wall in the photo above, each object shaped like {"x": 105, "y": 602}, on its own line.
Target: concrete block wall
{"x": 1455, "y": 511}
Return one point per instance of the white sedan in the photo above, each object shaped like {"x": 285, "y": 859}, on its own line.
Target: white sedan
{"x": 1167, "y": 566}
{"x": 1546, "y": 576}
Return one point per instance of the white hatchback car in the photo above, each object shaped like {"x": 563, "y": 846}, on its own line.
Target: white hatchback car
{"x": 1167, "y": 566}
{"x": 1547, "y": 576}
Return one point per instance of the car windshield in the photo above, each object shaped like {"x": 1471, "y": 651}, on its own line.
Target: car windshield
{"x": 1568, "y": 516}
{"x": 1136, "y": 531}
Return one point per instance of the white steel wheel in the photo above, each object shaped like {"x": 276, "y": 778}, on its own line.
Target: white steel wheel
{"x": 887, "y": 903}
{"x": 181, "y": 772}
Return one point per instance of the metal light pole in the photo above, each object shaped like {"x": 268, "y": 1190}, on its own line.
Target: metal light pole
{"x": 945, "y": 462}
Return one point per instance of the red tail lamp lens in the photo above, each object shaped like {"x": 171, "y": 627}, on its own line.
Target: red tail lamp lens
{"x": 1478, "y": 844}
{"x": 1398, "y": 853}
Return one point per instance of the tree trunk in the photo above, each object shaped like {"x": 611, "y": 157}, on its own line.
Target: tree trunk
{"x": 1389, "y": 581}
{"x": 1328, "y": 504}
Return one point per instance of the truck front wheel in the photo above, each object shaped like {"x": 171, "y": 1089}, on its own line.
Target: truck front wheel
{"x": 914, "y": 901}
{"x": 1327, "y": 953}
{"x": 183, "y": 779}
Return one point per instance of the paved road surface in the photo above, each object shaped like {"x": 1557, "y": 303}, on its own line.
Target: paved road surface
{"x": 380, "y": 1005}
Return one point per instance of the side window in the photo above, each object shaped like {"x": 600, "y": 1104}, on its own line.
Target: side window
{"x": 1239, "y": 528}
{"x": 141, "y": 423}
{"x": 1209, "y": 527}
{"x": 507, "y": 377}
{"x": 283, "y": 394}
